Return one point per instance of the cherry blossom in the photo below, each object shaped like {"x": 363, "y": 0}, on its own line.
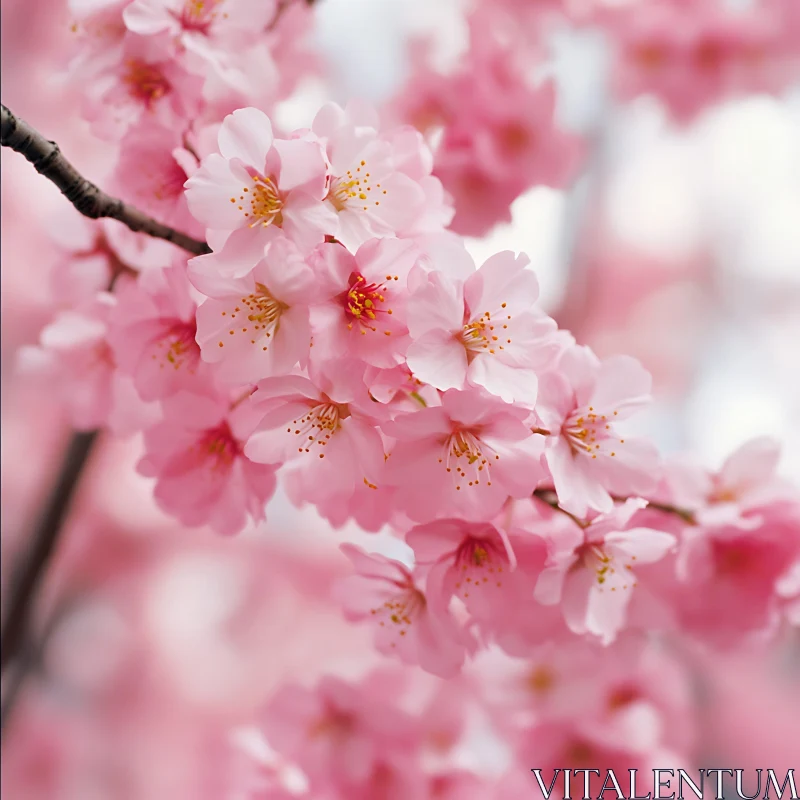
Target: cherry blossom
{"x": 337, "y": 732}
{"x": 591, "y": 573}
{"x": 152, "y": 337}
{"x": 143, "y": 86}
{"x": 255, "y": 322}
{"x": 410, "y": 624}
{"x": 589, "y": 459}
{"x": 329, "y": 431}
{"x": 484, "y": 332}
{"x": 746, "y": 482}
{"x": 492, "y": 572}
{"x": 208, "y": 33}
{"x": 151, "y": 171}
{"x": 463, "y": 458}
{"x": 736, "y": 575}
{"x": 196, "y": 456}
{"x": 257, "y": 182}
{"x": 366, "y": 314}
{"x": 371, "y": 189}
{"x": 74, "y": 356}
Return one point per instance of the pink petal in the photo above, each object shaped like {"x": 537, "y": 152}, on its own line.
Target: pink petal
{"x": 752, "y": 464}
{"x": 606, "y": 610}
{"x": 512, "y": 384}
{"x": 644, "y": 544}
{"x": 438, "y": 359}
{"x": 503, "y": 279}
{"x": 576, "y": 490}
{"x": 246, "y": 134}
{"x": 209, "y": 192}
{"x": 435, "y": 305}
{"x": 623, "y": 385}
{"x": 302, "y": 166}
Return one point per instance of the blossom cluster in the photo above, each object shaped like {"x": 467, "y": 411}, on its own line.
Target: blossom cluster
{"x": 340, "y": 335}
{"x": 339, "y": 340}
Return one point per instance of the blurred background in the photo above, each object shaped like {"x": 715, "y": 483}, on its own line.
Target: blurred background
{"x": 676, "y": 240}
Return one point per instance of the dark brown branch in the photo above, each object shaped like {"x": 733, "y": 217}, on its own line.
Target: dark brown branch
{"x": 550, "y": 498}
{"x": 87, "y": 198}
{"x": 12, "y": 686}
{"x": 26, "y": 579}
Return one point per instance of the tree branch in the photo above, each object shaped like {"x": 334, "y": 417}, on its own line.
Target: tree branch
{"x": 27, "y": 578}
{"x": 550, "y": 498}
{"x": 87, "y": 198}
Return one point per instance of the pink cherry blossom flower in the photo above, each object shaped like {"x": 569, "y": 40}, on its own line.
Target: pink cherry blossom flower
{"x": 206, "y": 34}
{"x": 202, "y": 475}
{"x": 492, "y": 572}
{"x": 370, "y": 191}
{"x": 144, "y": 86}
{"x": 370, "y": 505}
{"x": 464, "y": 458}
{"x": 365, "y": 316}
{"x": 338, "y": 732}
{"x": 482, "y": 332}
{"x": 150, "y": 173}
{"x": 589, "y": 459}
{"x": 591, "y": 572}
{"x": 255, "y": 322}
{"x": 74, "y": 357}
{"x": 579, "y": 743}
{"x": 498, "y": 135}
{"x": 258, "y": 182}
{"x": 152, "y": 335}
{"x": 87, "y": 259}
{"x": 410, "y": 624}
{"x": 98, "y": 33}
{"x": 746, "y": 482}
{"x": 692, "y": 60}
{"x": 325, "y": 426}
{"x": 734, "y": 578}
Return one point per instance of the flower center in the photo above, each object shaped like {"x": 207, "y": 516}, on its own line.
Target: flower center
{"x": 468, "y": 458}
{"x": 146, "y": 82}
{"x": 541, "y": 680}
{"x": 355, "y": 188}
{"x": 623, "y": 696}
{"x": 217, "y": 447}
{"x": 261, "y": 316}
{"x": 515, "y": 138}
{"x": 362, "y": 301}
{"x": 478, "y": 334}
{"x": 318, "y": 426}
{"x": 178, "y": 347}
{"x": 399, "y": 611}
{"x": 261, "y": 203}
{"x": 591, "y": 433}
{"x": 597, "y": 559}
{"x": 709, "y": 55}
{"x": 479, "y": 563}
{"x": 198, "y": 15}
{"x": 651, "y": 55}
{"x": 335, "y": 724}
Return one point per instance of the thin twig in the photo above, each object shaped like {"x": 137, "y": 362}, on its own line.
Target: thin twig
{"x": 550, "y": 498}
{"x": 684, "y": 513}
{"x": 12, "y": 688}
{"x": 26, "y": 580}
{"x": 87, "y": 198}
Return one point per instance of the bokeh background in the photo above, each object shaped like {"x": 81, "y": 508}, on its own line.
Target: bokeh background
{"x": 678, "y": 244}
